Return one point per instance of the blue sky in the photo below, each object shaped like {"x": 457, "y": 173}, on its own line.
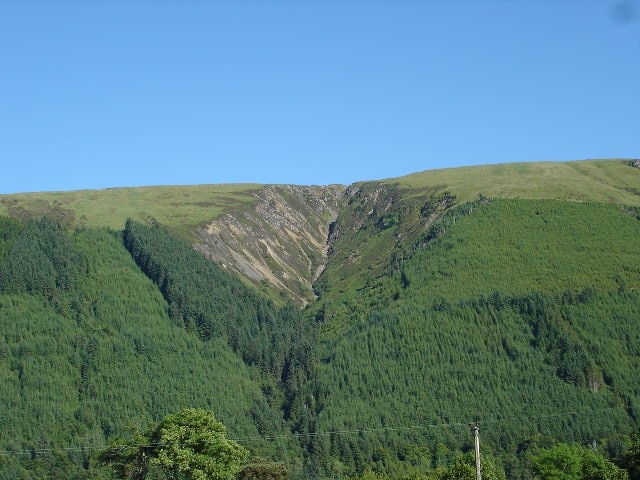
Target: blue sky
{"x": 97, "y": 94}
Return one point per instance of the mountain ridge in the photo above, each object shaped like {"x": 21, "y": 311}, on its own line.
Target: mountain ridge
{"x": 235, "y": 224}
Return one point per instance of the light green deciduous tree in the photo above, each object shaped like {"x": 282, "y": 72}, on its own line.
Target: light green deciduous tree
{"x": 189, "y": 445}
{"x": 575, "y": 462}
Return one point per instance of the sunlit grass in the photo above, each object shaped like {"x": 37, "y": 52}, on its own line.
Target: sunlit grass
{"x": 588, "y": 180}
{"x": 177, "y": 207}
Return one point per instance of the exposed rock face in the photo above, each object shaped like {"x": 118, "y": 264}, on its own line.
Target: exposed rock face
{"x": 281, "y": 240}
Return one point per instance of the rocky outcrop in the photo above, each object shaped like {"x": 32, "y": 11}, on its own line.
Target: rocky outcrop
{"x": 280, "y": 240}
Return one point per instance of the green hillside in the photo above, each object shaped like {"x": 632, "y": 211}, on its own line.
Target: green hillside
{"x": 503, "y": 294}
{"x": 385, "y": 222}
{"x": 520, "y": 313}
{"x": 517, "y": 246}
{"x": 88, "y": 353}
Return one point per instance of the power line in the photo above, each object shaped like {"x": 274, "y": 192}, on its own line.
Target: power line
{"x": 528, "y": 418}
{"x": 284, "y": 436}
{"x": 236, "y": 439}
{"x": 356, "y": 431}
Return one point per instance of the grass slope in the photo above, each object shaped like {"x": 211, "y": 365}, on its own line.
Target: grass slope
{"x": 611, "y": 181}
{"x": 180, "y": 208}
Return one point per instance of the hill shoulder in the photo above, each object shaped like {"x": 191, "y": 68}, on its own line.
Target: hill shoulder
{"x": 608, "y": 181}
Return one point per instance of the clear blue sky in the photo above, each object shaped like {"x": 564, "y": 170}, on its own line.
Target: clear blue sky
{"x": 97, "y": 94}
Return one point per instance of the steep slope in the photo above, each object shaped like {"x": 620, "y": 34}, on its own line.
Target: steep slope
{"x": 88, "y": 350}
{"x": 281, "y": 240}
{"x": 519, "y": 313}
{"x": 382, "y": 221}
{"x": 273, "y": 235}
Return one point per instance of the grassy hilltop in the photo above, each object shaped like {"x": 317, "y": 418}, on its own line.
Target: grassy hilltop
{"x": 179, "y": 207}
{"x": 185, "y": 207}
{"x": 607, "y": 181}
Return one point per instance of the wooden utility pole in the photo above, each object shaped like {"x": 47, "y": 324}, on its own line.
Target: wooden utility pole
{"x": 476, "y": 439}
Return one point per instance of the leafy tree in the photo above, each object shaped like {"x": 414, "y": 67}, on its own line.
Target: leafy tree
{"x": 631, "y": 458}
{"x": 262, "y": 469}
{"x": 463, "y": 467}
{"x": 189, "y": 445}
{"x": 371, "y": 475}
{"x": 575, "y": 462}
